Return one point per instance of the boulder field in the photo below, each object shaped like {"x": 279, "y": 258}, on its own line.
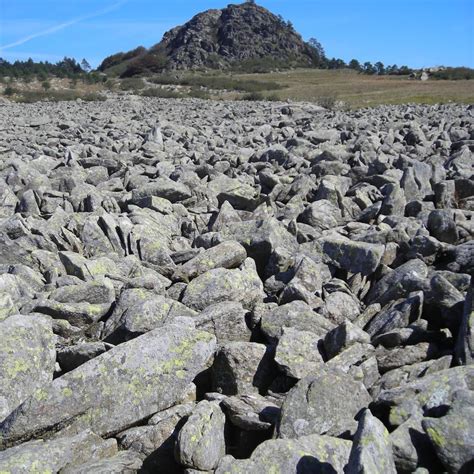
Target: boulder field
{"x": 236, "y": 287}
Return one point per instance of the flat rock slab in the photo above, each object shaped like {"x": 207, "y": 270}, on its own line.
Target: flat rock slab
{"x": 116, "y": 389}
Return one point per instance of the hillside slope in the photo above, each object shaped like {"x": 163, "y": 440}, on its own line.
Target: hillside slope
{"x": 220, "y": 39}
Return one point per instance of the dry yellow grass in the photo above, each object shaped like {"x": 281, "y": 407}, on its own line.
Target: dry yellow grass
{"x": 360, "y": 90}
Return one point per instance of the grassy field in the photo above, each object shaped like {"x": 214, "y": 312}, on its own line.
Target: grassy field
{"x": 360, "y": 90}
{"x": 313, "y": 85}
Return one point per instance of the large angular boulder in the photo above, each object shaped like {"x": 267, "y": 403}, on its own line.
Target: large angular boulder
{"x": 313, "y": 453}
{"x": 226, "y": 255}
{"x": 241, "y": 367}
{"x": 452, "y": 436}
{"x": 430, "y": 393}
{"x": 297, "y": 315}
{"x": 352, "y": 256}
{"x": 242, "y": 285}
{"x": 371, "y": 448}
{"x": 27, "y": 359}
{"x": 200, "y": 442}
{"x": 297, "y": 354}
{"x": 64, "y": 454}
{"x": 326, "y": 403}
{"x": 117, "y": 389}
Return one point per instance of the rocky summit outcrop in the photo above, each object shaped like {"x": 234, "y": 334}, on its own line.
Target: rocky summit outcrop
{"x": 218, "y": 39}
{"x": 235, "y": 287}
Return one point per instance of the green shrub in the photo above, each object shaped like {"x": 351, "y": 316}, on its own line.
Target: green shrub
{"x": 199, "y": 93}
{"x": 327, "y": 102}
{"x": 132, "y": 84}
{"x": 57, "y": 96}
{"x": 153, "y": 61}
{"x": 46, "y": 85}
{"x": 273, "y": 98}
{"x": 453, "y": 74}
{"x": 9, "y": 91}
{"x": 253, "y": 96}
{"x": 93, "y": 97}
{"x": 268, "y": 64}
{"x": 218, "y": 83}
{"x": 161, "y": 93}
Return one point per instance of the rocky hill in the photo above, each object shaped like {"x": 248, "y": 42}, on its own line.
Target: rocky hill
{"x": 220, "y": 39}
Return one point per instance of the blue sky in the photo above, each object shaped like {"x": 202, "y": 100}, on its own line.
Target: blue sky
{"x": 418, "y": 33}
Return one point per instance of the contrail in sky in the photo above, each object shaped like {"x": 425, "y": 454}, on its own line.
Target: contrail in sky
{"x": 61, "y": 26}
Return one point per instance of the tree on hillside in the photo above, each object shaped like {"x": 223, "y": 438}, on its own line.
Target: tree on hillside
{"x": 85, "y": 66}
{"x": 315, "y": 44}
{"x": 379, "y": 68}
{"x": 335, "y": 63}
{"x": 354, "y": 64}
{"x": 369, "y": 68}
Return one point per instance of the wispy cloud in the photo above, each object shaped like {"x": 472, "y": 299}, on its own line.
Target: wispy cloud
{"x": 62, "y": 26}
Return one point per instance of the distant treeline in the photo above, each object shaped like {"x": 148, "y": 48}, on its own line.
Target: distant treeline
{"x": 139, "y": 64}
{"x": 30, "y": 70}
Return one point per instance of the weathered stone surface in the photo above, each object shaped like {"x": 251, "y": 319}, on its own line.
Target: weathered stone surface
{"x": 226, "y": 320}
{"x": 325, "y": 403}
{"x": 319, "y": 454}
{"x": 355, "y": 257}
{"x": 116, "y": 389}
{"x": 297, "y": 354}
{"x": 27, "y": 358}
{"x": 241, "y": 367}
{"x": 280, "y": 231}
{"x": 452, "y": 435}
{"x": 296, "y": 315}
{"x": 138, "y": 311}
{"x": 412, "y": 447}
{"x": 465, "y": 338}
{"x": 64, "y": 454}
{"x": 226, "y": 255}
{"x": 371, "y": 447}
{"x": 251, "y": 412}
{"x": 342, "y": 337}
{"x": 155, "y": 443}
{"x": 242, "y": 285}
{"x": 124, "y": 461}
{"x": 431, "y": 392}
{"x": 200, "y": 442}
{"x": 73, "y": 356}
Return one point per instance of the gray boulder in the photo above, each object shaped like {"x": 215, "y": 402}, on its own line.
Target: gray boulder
{"x": 297, "y": 315}
{"x": 371, "y": 448}
{"x": 429, "y": 393}
{"x": 325, "y": 403}
{"x": 226, "y": 255}
{"x": 200, "y": 442}
{"x": 226, "y": 320}
{"x": 242, "y": 285}
{"x": 307, "y": 454}
{"x": 116, "y": 389}
{"x": 241, "y": 367}
{"x": 251, "y": 412}
{"x": 342, "y": 337}
{"x": 452, "y": 435}
{"x": 27, "y": 359}
{"x": 64, "y": 454}
{"x": 353, "y": 256}
{"x": 465, "y": 338}
{"x": 297, "y": 354}
{"x": 155, "y": 442}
